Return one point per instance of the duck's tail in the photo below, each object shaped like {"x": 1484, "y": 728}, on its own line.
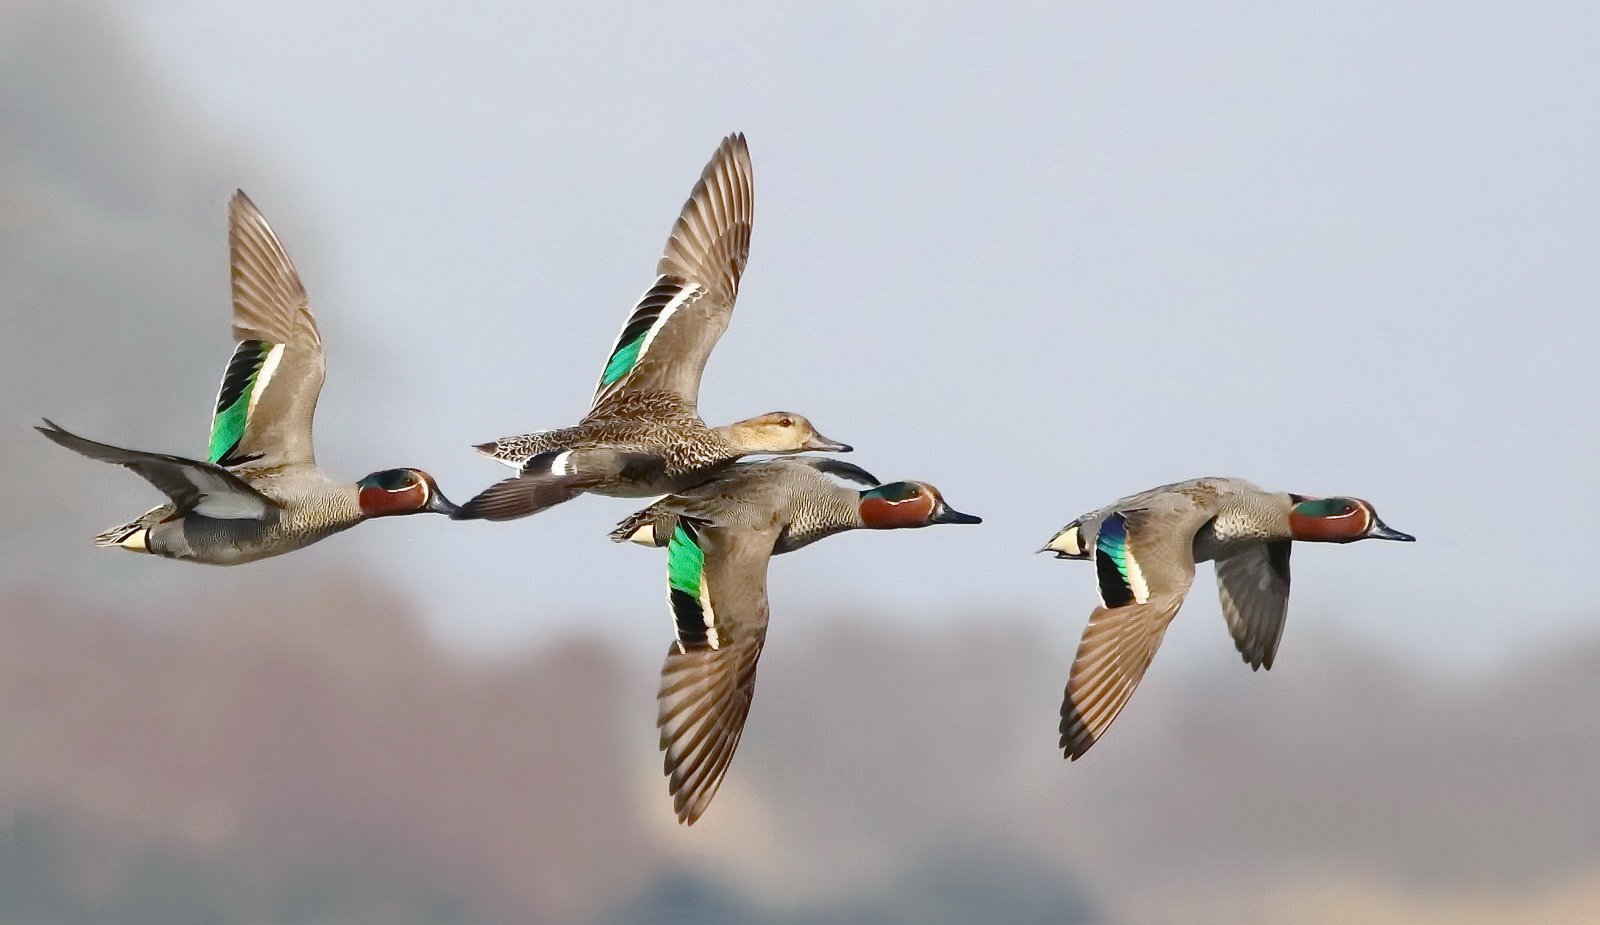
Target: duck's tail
{"x": 134, "y": 536}
{"x": 649, "y": 527}
{"x": 513, "y": 451}
{"x": 1069, "y": 543}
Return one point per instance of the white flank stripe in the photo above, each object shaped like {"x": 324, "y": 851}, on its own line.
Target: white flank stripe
{"x": 229, "y": 505}
{"x": 558, "y": 466}
{"x": 219, "y": 499}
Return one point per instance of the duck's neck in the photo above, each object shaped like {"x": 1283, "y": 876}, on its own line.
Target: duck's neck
{"x": 1246, "y": 521}
{"x": 731, "y": 436}
{"x": 819, "y": 516}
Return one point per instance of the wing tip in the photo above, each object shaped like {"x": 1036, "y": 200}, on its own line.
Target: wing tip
{"x": 689, "y": 806}
{"x": 1076, "y": 737}
{"x": 66, "y": 439}
{"x": 242, "y": 211}
{"x": 517, "y": 497}
{"x": 703, "y": 704}
{"x": 691, "y": 796}
{"x": 840, "y": 469}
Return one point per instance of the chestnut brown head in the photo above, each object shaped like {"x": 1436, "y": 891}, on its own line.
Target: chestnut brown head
{"x": 401, "y": 491}
{"x": 908, "y": 504}
{"x": 1339, "y": 520}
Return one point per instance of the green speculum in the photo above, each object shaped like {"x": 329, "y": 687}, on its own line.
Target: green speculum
{"x": 228, "y": 427}
{"x": 233, "y": 403}
{"x": 623, "y": 360}
{"x": 1112, "y": 563}
{"x": 685, "y": 562}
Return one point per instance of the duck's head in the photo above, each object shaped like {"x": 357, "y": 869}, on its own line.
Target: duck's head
{"x": 908, "y": 504}
{"x": 401, "y": 491}
{"x": 1338, "y": 520}
{"x": 781, "y": 432}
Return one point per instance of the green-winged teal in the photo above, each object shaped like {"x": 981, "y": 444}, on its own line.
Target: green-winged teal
{"x": 1145, "y": 548}
{"x": 719, "y": 536}
{"x": 644, "y": 436}
{"x": 258, "y": 492}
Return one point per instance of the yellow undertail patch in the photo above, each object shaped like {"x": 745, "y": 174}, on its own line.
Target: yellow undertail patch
{"x": 137, "y": 539}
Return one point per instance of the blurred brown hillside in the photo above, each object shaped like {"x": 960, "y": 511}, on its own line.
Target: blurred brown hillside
{"x": 310, "y": 754}
{"x": 305, "y": 756}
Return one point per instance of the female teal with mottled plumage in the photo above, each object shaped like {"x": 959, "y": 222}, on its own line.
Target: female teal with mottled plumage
{"x": 643, "y": 436}
{"x": 719, "y": 537}
{"x": 1145, "y": 548}
{"x": 258, "y": 492}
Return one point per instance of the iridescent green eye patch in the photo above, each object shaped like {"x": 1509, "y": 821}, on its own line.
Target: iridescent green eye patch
{"x": 1324, "y": 507}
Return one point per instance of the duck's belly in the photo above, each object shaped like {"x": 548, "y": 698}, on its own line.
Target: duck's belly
{"x": 234, "y": 542}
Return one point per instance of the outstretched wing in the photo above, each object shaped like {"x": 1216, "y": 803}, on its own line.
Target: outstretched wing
{"x": 1254, "y": 585}
{"x": 717, "y": 579}
{"x": 665, "y": 342}
{"x": 1144, "y": 574}
{"x": 838, "y": 468}
{"x": 194, "y": 486}
{"x": 269, "y": 392}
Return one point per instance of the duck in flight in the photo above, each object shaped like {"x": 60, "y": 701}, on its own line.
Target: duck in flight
{"x": 258, "y": 492}
{"x": 719, "y": 537}
{"x": 1145, "y": 548}
{"x": 643, "y": 435}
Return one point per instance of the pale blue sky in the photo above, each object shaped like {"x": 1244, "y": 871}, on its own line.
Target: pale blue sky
{"x": 1042, "y": 255}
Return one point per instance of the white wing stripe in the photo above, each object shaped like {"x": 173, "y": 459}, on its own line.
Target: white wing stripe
{"x": 713, "y": 639}
{"x": 684, "y": 297}
{"x": 268, "y": 367}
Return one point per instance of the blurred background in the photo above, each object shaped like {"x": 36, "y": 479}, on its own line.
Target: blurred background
{"x": 1042, "y": 255}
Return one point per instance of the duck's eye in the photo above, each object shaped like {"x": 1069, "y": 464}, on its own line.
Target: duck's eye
{"x": 398, "y": 480}
{"x": 786, "y": 422}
